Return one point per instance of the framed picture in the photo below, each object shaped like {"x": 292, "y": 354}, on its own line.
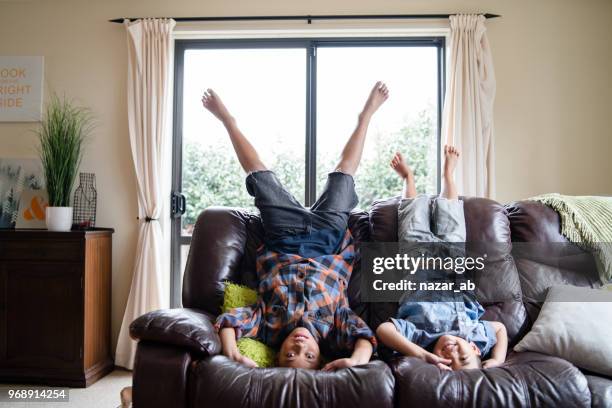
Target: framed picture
{"x": 17, "y": 176}
{"x": 21, "y": 81}
{"x": 31, "y": 210}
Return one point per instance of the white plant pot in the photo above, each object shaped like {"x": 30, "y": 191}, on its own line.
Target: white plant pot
{"x": 59, "y": 218}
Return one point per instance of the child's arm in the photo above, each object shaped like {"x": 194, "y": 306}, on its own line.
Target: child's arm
{"x": 498, "y": 354}
{"x": 237, "y": 322}
{"x": 230, "y": 349}
{"x": 363, "y": 352}
{"x": 361, "y": 355}
{"x": 390, "y": 337}
{"x": 350, "y": 333}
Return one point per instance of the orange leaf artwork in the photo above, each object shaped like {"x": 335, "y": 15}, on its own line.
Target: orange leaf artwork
{"x": 36, "y": 209}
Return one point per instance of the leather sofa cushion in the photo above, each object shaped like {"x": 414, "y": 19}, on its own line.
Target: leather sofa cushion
{"x": 531, "y": 221}
{"x": 220, "y": 382}
{"x": 601, "y": 391}
{"x": 488, "y": 231}
{"x": 525, "y": 380}
{"x": 216, "y": 251}
{"x": 486, "y": 220}
{"x": 359, "y": 224}
{"x": 543, "y": 256}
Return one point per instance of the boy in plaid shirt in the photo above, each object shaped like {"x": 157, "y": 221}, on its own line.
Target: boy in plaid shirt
{"x": 305, "y": 264}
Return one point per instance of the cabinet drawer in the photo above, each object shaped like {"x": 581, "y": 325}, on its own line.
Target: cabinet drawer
{"x": 41, "y": 250}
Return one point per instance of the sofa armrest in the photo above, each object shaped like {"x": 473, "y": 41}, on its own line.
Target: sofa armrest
{"x": 160, "y": 376}
{"x": 188, "y": 328}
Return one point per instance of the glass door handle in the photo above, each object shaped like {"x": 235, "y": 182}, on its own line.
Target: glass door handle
{"x": 177, "y": 204}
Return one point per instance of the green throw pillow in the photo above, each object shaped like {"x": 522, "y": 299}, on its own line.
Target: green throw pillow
{"x": 239, "y": 296}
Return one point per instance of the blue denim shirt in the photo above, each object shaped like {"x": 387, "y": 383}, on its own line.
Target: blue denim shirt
{"x": 423, "y": 322}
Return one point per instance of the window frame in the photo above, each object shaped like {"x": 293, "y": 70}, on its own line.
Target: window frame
{"x": 310, "y": 44}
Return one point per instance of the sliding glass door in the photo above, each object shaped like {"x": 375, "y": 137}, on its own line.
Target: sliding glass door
{"x": 407, "y": 122}
{"x": 297, "y": 101}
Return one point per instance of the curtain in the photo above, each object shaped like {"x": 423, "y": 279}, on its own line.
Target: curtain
{"x": 149, "y": 63}
{"x": 467, "y": 120}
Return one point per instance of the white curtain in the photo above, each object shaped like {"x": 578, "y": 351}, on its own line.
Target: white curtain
{"x": 149, "y": 63}
{"x": 467, "y": 120}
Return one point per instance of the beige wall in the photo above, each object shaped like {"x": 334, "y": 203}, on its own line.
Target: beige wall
{"x": 553, "y": 63}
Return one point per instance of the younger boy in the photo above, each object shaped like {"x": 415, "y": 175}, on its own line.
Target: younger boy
{"x": 305, "y": 263}
{"x": 448, "y": 334}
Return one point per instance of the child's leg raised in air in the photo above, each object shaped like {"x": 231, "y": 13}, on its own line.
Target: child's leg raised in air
{"x": 413, "y": 222}
{"x": 449, "y": 189}
{"x": 247, "y": 155}
{"x": 405, "y": 172}
{"x": 449, "y": 219}
{"x": 281, "y": 213}
{"x": 351, "y": 154}
{"x": 338, "y": 198}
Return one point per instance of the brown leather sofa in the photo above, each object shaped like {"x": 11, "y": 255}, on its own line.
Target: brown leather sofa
{"x": 178, "y": 361}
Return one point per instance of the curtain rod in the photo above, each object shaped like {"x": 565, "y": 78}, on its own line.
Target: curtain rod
{"x": 310, "y": 18}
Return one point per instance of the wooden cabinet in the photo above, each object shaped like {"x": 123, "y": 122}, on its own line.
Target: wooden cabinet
{"x": 55, "y": 306}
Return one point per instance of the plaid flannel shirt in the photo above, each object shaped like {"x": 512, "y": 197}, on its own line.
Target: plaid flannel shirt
{"x": 309, "y": 292}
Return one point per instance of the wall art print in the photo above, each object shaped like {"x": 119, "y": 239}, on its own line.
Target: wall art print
{"x": 17, "y": 176}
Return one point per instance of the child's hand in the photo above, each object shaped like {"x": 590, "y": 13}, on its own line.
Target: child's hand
{"x": 340, "y": 363}
{"x": 361, "y": 355}
{"x": 246, "y": 361}
{"x": 230, "y": 349}
{"x": 239, "y": 358}
{"x": 441, "y": 363}
{"x": 490, "y": 363}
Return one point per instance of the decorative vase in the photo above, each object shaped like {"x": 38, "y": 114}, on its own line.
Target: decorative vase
{"x": 58, "y": 218}
{"x": 85, "y": 198}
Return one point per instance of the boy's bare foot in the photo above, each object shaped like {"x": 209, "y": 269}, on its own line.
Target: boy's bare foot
{"x": 214, "y": 104}
{"x": 405, "y": 172}
{"x": 400, "y": 166}
{"x": 378, "y": 95}
{"x": 451, "y": 155}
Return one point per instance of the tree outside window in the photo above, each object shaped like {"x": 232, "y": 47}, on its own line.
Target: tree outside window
{"x": 212, "y": 175}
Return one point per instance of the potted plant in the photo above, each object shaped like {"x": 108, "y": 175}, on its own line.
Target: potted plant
{"x": 63, "y": 130}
